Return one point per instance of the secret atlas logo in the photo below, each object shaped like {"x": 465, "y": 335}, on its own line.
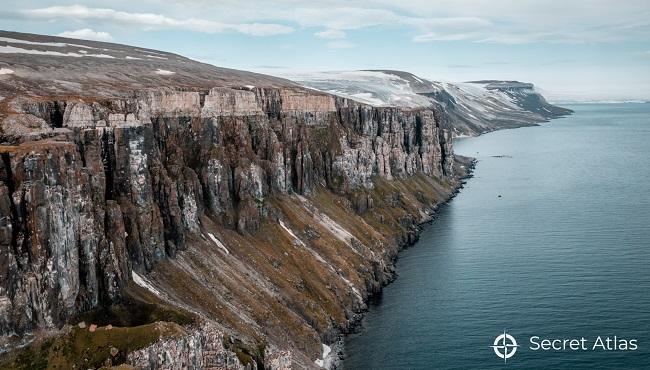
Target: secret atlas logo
{"x": 505, "y": 346}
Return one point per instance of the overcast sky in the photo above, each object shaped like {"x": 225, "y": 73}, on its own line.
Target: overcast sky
{"x": 571, "y": 49}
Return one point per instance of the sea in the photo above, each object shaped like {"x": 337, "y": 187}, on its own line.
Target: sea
{"x": 548, "y": 242}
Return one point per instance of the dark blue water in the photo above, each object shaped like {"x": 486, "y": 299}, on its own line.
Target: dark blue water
{"x": 564, "y": 253}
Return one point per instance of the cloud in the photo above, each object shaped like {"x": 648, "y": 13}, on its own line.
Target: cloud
{"x": 342, "y": 18}
{"x": 431, "y": 36}
{"x": 461, "y": 66}
{"x": 330, "y": 34}
{"x": 155, "y": 21}
{"x": 340, "y": 44}
{"x": 455, "y": 24}
{"x": 500, "y": 21}
{"x": 348, "y": 18}
{"x": 87, "y": 34}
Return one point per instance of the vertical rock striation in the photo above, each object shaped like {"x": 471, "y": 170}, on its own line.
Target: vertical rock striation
{"x": 125, "y": 181}
{"x": 268, "y": 211}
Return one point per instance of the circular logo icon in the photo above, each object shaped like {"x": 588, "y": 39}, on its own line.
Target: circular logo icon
{"x": 505, "y": 346}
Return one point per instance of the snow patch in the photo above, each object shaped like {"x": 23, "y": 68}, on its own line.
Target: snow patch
{"x": 319, "y": 258}
{"x": 6, "y": 71}
{"x": 144, "y": 283}
{"x": 15, "y": 50}
{"x": 218, "y": 243}
{"x": 291, "y": 233}
{"x": 355, "y": 291}
{"x": 53, "y": 44}
{"x": 332, "y": 226}
{"x": 326, "y": 352}
{"x": 164, "y": 72}
{"x": 366, "y": 97}
{"x": 132, "y": 58}
{"x": 336, "y": 230}
{"x": 371, "y": 87}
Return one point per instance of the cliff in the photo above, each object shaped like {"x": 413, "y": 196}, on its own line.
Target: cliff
{"x": 470, "y": 108}
{"x": 170, "y": 212}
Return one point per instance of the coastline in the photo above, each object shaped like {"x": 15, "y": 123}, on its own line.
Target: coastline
{"x": 158, "y": 211}
{"x": 464, "y": 163}
{"x": 527, "y": 240}
{"x": 336, "y": 354}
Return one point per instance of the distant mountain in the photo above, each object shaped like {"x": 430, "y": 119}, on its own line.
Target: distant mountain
{"x": 471, "y": 108}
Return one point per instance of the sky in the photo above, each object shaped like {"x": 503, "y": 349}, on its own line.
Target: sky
{"x": 570, "y": 49}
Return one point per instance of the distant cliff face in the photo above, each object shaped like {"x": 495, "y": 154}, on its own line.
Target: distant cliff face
{"x": 526, "y": 97}
{"x": 267, "y": 210}
{"x": 470, "y": 108}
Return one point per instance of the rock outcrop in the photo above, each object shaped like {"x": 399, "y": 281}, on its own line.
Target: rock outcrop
{"x": 198, "y": 349}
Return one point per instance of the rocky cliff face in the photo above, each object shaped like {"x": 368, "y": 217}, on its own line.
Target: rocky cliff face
{"x": 267, "y": 211}
{"x": 128, "y": 180}
{"x": 525, "y": 96}
{"x": 470, "y": 108}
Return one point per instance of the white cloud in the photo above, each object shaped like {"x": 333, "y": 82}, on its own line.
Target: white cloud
{"x": 155, "y": 21}
{"x": 450, "y": 23}
{"x": 499, "y": 21}
{"x": 330, "y": 34}
{"x": 496, "y": 21}
{"x": 341, "y": 18}
{"x": 87, "y": 34}
{"x": 432, "y": 36}
{"x": 340, "y": 44}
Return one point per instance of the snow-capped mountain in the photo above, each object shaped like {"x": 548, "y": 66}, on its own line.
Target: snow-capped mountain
{"x": 471, "y": 108}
